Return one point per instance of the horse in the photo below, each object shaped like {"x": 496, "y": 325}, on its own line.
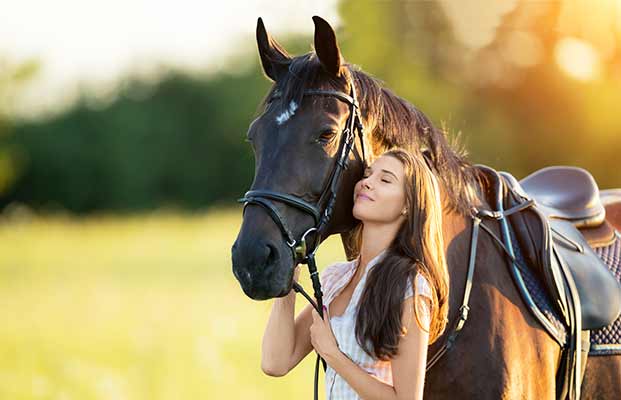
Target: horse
{"x": 502, "y": 350}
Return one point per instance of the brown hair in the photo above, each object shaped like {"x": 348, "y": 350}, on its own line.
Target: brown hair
{"x": 417, "y": 247}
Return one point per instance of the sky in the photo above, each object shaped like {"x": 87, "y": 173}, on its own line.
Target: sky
{"x": 90, "y": 44}
{"x": 86, "y": 45}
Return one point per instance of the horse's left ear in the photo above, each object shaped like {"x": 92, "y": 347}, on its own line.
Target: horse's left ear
{"x": 326, "y": 47}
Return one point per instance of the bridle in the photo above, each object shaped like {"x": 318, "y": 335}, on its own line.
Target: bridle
{"x": 302, "y": 253}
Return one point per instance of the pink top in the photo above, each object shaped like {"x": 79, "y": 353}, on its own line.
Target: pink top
{"x": 333, "y": 279}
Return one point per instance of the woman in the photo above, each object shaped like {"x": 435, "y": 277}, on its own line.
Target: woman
{"x": 383, "y": 308}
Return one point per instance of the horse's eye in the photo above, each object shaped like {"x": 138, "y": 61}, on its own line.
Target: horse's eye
{"x": 327, "y": 136}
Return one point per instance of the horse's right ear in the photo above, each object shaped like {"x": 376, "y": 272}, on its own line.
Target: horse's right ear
{"x": 274, "y": 57}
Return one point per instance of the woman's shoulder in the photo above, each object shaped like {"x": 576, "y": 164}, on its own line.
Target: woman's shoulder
{"x": 421, "y": 285}
{"x": 335, "y": 268}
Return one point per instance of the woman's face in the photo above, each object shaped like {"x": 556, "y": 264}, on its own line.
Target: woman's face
{"x": 380, "y": 195}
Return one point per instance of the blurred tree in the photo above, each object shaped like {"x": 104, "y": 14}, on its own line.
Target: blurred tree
{"x": 176, "y": 142}
{"x": 493, "y": 72}
{"x": 529, "y": 84}
{"x": 12, "y": 78}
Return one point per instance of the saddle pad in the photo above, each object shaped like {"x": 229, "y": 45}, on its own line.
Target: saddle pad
{"x": 607, "y": 341}
{"x": 538, "y": 294}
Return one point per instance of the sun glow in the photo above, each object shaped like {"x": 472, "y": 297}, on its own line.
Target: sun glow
{"x": 577, "y": 58}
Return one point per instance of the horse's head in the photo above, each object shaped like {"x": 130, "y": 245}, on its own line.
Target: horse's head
{"x": 296, "y": 143}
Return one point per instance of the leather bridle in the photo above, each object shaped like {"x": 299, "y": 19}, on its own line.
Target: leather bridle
{"x": 302, "y": 253}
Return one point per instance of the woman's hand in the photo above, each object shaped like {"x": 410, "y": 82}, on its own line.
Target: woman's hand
{"x": 322, "y": 337}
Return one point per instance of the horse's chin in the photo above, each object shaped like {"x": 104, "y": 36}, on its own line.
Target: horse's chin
{"x": 265, "y": 286}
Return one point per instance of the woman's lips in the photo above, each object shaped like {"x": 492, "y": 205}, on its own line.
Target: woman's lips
{"x": 363, "y": 197}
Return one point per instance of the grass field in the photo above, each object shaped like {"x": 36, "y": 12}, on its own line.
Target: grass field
{"x": 139, "y": 307}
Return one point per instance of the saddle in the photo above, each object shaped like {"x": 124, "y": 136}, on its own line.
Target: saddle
{"x": 543, "y": 214}
{"x": 611, "y": 199}
{"x": 571, "y": 194}
{"x": 567, "y": 200}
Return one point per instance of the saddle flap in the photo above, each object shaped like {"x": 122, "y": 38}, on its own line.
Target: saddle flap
{"x": 533, "y": 236}
{"x": 599, "y": 291}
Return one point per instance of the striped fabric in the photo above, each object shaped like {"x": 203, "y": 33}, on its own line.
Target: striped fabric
{"x": 334, "y": 278}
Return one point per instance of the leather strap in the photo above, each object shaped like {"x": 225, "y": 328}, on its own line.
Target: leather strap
{"x": 463, "y": 310}
{"x": 286, "y": 198}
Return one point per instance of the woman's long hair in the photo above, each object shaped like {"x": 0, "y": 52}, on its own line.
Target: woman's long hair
{"x": 417, "y": 247}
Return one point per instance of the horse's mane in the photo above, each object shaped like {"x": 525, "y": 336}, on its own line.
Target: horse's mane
{"x": 391, "y": 121}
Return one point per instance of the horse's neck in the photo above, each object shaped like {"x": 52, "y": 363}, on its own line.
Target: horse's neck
{"x": 456, "y": 234}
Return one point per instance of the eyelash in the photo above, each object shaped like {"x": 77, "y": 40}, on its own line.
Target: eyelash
{"x": 383, "y": 180}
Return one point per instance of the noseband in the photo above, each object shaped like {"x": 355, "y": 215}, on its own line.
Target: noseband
{"x": 301, "y": 252}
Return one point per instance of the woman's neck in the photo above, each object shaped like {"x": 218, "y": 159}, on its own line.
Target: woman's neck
{"x": 375, "y": 239}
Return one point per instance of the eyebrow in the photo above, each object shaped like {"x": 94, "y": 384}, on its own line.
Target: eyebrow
{"x": 385, "y": 170}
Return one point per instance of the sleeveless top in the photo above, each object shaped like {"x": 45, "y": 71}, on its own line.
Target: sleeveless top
{"x": 333, "y": 279}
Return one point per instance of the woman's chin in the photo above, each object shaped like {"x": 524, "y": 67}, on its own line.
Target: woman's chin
{"x": 358, "y": 214}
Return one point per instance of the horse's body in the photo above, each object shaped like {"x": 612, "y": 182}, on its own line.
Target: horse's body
{"x": 502, "y": 351}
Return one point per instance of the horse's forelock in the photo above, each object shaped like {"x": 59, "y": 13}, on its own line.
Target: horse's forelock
{"x": 304, "y": 72}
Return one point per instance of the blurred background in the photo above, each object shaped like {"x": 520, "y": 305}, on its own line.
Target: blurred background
{"x": 122, "y": 155}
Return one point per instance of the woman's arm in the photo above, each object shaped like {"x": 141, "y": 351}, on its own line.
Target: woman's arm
{"x": 366, "y": 385}
{"x": 285, "y": 341}
{"x": 408, "y": 366}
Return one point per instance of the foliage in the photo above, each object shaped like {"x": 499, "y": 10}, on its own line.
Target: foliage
{"x": 179, "y": 141}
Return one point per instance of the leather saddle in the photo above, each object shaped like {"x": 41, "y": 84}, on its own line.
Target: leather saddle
{"x": 568, "y": 212}
{"x": 571, "y": 194}
{"x": 543, "y": 213}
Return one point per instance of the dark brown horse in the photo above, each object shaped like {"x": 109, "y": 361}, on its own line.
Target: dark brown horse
{"x": 502, "y": 351}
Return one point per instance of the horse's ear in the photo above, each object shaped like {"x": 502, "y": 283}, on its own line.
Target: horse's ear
{"x": 274, "y": 57}
{"x": 326, "y": 47}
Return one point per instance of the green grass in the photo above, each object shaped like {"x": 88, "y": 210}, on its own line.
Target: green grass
{"x": 140, "y": 307}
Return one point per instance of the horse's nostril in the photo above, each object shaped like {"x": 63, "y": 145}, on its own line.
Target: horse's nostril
{"x": 272, "y": 256}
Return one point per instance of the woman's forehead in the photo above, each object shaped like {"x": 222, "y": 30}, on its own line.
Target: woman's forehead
{"x": 389, "y": 163}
